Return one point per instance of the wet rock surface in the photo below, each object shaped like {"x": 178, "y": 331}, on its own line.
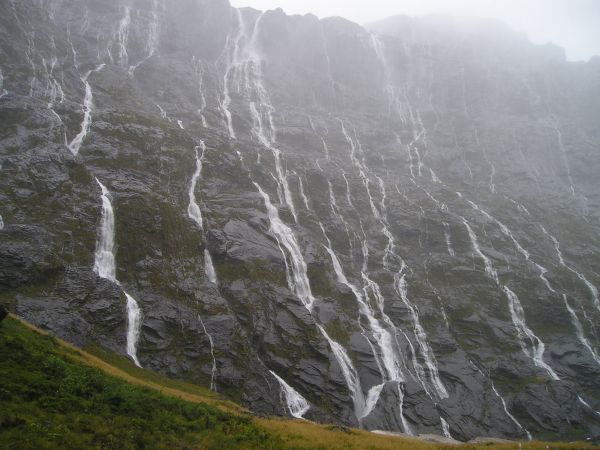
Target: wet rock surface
{"x": 450, "y": 168}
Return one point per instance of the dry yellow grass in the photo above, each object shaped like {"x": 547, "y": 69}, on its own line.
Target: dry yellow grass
{"x": 306, "y": 435}
{"x": 301, "y": 434}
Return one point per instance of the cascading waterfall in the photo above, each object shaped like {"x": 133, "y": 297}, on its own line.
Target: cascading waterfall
{"x": 391, "y": 362}
{"x": 507, "y": 412}
{"x": 123, "y": 35}
{"x": 286, "y": 239}
{"x": 390, "y": 254}
{"x": 213, "y": 372}
{"x": 401, "y": 289}
{"x": 448, "y": 238}
{"x": 563, "y": 152}
{"x": 193, "y": 210}
{"x": 489, "y": 269}
{"x": 54, "y": 91}
{"x": 195, "y": 213}
{"x": 300, "y": 286}
{"x": 198, "y": 68}
{"x": 88, "y": 107}
{"x": 524, "y": 332}
{"x": 392, "y": 356}
{"x": 246, "y": 62}
{"x": 502, "y": 401}
{"x": 104, "y": 261}
{"x": 445, "y": 428}
{"x": 385, "y": 356}
{"x": 232, "y": 65}
{"x": 593, "y": 290}
{"x": 209, "y": 268}
{"x": 104, "y": 266}
{"x": 587, "y": 405}
{"x": 3, "y": 91}
{"x": 134, "y": 327}
{"x": 152, "y": 40}
{"x": 400, "y": 280}
{"x": 296, "y": 404}
{"x": 542, "y": 274}
{"x": 506, "y": 231}
{"x": 335, "y": 209}
{"x": 579, "y": 330}
{"x": 29, "y": 56}
{"x": 536, "y": 353}
{"x": 350, "y": 375}
{"x": 163, "y": 113}
{"x": 303, "y": 193}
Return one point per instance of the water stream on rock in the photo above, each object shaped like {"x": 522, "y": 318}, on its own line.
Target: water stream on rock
{"x": 104, "y": 266}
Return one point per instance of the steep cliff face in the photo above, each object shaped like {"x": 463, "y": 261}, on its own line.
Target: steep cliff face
{"x": 394, "y": 228}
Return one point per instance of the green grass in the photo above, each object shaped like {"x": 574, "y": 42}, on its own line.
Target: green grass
{"x": 50, "y": 400}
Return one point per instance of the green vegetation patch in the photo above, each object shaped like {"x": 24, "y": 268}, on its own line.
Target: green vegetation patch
{"x": 48, "y": 400}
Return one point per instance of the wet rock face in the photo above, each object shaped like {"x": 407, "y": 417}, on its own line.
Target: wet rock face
{"x": 403, "y": 222}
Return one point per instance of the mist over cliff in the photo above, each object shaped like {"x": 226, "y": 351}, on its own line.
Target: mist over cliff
{"x": 394, "y": 228}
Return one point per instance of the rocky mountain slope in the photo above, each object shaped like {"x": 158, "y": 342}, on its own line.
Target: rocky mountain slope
{"x": 394, "y": 228}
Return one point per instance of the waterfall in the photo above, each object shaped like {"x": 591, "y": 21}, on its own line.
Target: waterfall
{"x": 593, "y": 290}
{"x": 299, "y": 284}
{"x": 303, "y": 194}
{"x": 517, "y": 314}
{"x": 489, "y": 269}
{"x": 88, "y": 107}
{"x": 405, "y": 425}
{"x": 448, "y": 238}
{"x": 232, "y": 66}
{"x": 382, "y": 336}
{"x": 152, "y": 40}
{"x": 507, "y": 412}
{"x": 104, "y": 261}
{"x": 421, "y": 337}
{"x": 563, "y": 151}
{"x": 579, "y": 331}
{"x": 209, "y": 268}
{"x": 524, "y": 332}
{"x": 372, "y": 399}
{"x": 104, "y": 266}
{"x": 286, "y": 239}
{"x": 506, "y": 231}
{"x": 123, "y": 34}
{"x": 350, "y": 375}
{"x": 213, "y": 372}
{"x": 3, "y": 91}
{"x": 445, "y": 428}
{"x": 587, "y": 405}
{"x": 163, "y": 113}
{"x": 296, "y": 404}
{"x": 197, "y": 65}
{"x": 194, "y": 211}
{"x": 134, "y": 326}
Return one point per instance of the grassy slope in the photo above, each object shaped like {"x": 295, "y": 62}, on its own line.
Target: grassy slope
{"x": 55, "y": 396}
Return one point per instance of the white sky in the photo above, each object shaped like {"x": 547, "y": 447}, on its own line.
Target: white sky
{"x": 571, "y": 24}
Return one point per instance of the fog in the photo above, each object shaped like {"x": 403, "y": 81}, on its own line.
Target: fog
{"x": 571, "y": 24}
